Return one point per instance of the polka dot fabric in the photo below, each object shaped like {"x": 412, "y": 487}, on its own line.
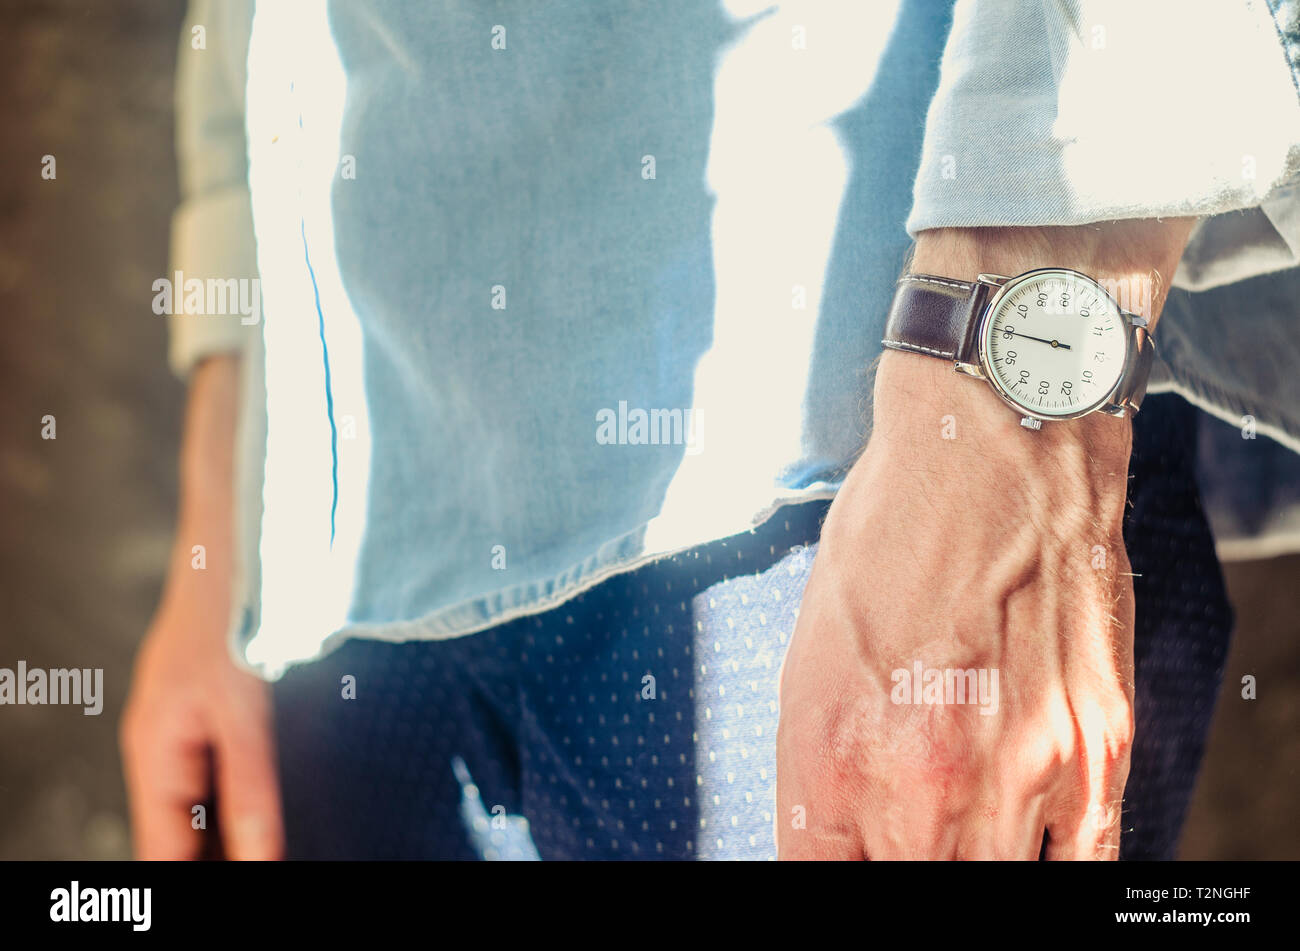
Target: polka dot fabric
{"x": 638, "y": 720}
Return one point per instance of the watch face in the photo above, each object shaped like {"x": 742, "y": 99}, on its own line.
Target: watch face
{"x": 1054, "y": 343}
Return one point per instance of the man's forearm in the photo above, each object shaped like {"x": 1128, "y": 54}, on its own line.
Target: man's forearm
{"x": 207, "y": 464}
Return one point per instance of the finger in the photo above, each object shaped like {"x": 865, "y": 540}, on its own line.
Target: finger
{"x": 920, "y": 817}
{"x": 1018, "y": 832}
{"x": 167, "y": 774}
{"x": 812, "y": 821}
{"x": 1086, "y": 823}
{"x": 933, "y": 804}
{"x": 248, "y": 791}
{"x": 1009, "y": 829}
{"x": 826, "y": 841}
{"x": 1088, "y": 831}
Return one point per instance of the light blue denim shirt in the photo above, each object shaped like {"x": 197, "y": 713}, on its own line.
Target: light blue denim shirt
{"x": 552, "y": 290}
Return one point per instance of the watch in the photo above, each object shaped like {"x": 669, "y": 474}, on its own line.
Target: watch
{"x": 1052, "y": 342}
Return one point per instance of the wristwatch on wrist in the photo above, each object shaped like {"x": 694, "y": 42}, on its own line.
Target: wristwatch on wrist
{"x": 1051, "y": 342}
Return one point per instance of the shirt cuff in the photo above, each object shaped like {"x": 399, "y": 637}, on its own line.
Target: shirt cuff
{"x": 212, "y": 241}
{"x": 1070, "y": 113}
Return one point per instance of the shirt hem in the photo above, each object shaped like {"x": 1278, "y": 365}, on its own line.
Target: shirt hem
{"x": 482, "y": 612}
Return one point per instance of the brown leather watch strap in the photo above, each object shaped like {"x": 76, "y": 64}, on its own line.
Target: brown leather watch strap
{"x": 936, "y": 316}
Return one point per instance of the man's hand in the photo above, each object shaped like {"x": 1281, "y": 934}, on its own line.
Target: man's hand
{"x": 962, "y": 542}
{"x": 195, "y": 723}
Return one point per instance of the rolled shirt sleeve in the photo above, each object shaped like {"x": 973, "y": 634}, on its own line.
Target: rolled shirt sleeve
{"x": 212, "y": 229}
{"x": 1065, "y": 112}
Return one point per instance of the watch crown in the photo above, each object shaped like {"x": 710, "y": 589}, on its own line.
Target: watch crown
{"x": 1030, "y": 423}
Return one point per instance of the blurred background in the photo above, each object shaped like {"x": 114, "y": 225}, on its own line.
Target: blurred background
{"x": 86, "y": 518}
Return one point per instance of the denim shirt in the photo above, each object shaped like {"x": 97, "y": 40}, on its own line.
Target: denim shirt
{"x": 548, "y": 293}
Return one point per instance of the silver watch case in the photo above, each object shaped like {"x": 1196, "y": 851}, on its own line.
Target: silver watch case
{"x": 1114, "y": 403}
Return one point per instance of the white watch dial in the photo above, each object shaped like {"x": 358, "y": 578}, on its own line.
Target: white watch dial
{"x": 1054, "y": 343}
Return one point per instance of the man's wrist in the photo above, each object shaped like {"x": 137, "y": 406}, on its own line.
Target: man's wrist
{"x": 1135, "y": 258}
{"x": 957, "y": 428}
{"x": 910, "y": 388}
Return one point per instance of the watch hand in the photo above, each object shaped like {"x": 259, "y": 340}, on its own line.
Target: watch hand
{"x": 1056, "y": 344}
